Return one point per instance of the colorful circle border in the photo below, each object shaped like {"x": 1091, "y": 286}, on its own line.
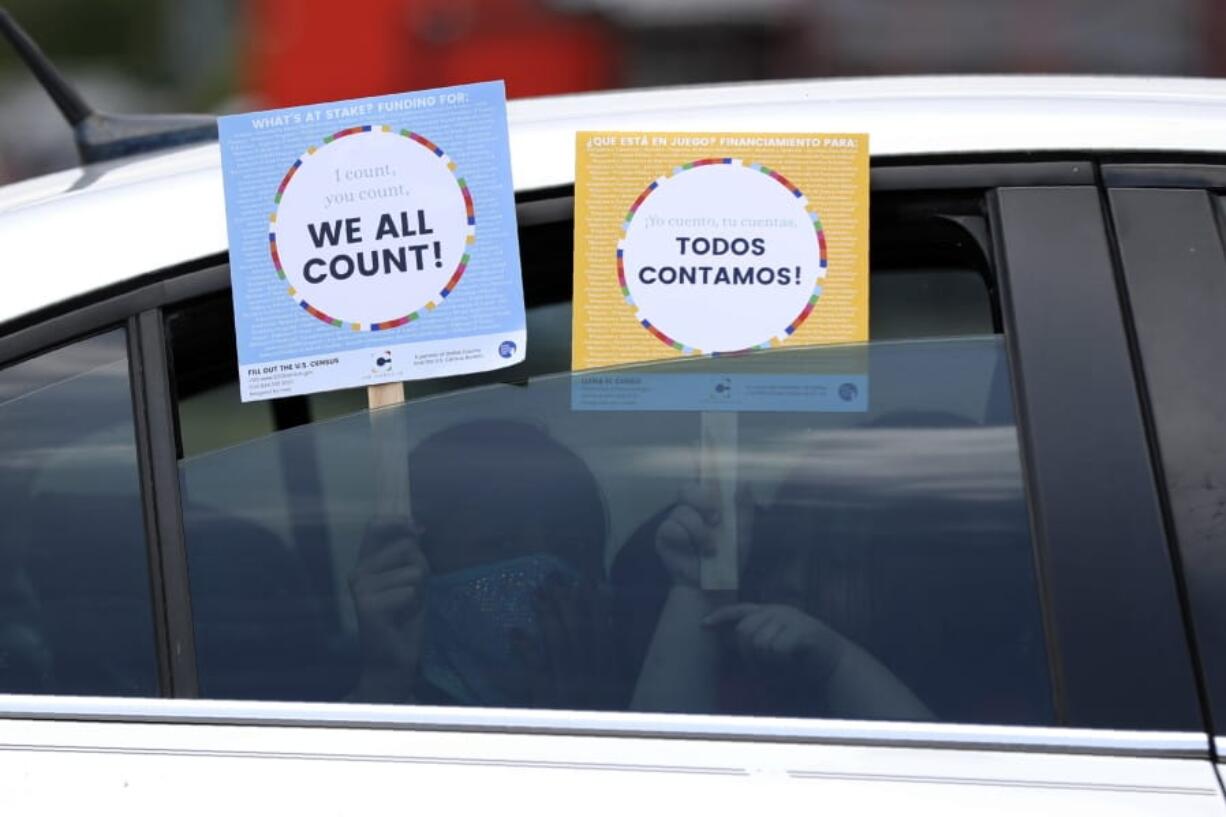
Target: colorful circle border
{"x": 460, "y": 267}
{"x": 823, "y": 257}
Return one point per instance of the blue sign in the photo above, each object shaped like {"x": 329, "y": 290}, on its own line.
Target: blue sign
{"x": 372, "y": 240}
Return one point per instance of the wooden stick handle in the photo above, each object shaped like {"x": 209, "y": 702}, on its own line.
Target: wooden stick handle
{"x": 390, "y": 440}
{"x": 717, "y": 470}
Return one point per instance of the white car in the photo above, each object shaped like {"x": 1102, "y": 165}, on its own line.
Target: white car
{"x": 1022, "y": 537}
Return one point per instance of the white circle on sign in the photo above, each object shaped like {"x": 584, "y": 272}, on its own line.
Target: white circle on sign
{"x": 372, "y": 229}
{"x": 722, "y": 256}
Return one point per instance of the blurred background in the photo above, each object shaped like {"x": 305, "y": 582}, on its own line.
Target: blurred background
{"x": 223, "y": 56}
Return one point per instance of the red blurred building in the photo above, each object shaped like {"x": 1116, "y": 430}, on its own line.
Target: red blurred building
{"x": 300, "y": 51}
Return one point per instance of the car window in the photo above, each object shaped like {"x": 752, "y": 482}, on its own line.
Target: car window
{"x": 75, "y": 607}
{"x": 886, "y": 571}
{"x": 929, "y": 276}
{"x": 551, "y": 559}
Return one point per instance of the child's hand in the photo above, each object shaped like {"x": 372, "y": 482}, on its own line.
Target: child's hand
{"x": 388, "y": 588}
{"x": 779, "y": 634}
{"x": 689, "y": 531}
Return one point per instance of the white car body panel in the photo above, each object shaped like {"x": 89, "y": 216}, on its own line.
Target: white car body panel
{"x": 142, "y": 767}
{"x": 205, "y": 769}
{"x": 87, "y": 229}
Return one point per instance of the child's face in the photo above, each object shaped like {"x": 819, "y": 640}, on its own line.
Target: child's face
{"x": 473, "y": 535}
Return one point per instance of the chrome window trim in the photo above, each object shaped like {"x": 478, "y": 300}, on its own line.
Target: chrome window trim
{"x": 611, "y": 724}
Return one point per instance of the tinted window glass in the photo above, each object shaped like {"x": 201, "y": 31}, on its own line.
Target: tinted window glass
{"x": 75, "y": 609}
{"x": 930, "y": 276}
{"x": 551, "y": 557}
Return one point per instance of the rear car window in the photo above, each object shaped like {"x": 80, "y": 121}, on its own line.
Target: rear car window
{"x": 552, "y": 555}
{"x": 886, "y": 558}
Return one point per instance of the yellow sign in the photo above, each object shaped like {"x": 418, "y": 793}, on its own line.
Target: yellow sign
{"x": 701, "y": 243}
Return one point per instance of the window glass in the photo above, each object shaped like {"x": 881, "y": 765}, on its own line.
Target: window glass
{"x": 550, "y": 556}
{"x": 930, "y": 277}
{"x": 75, "y": 608}
{"x": 536, "y": 567}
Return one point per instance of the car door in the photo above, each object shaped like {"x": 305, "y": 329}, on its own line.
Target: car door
{"x": 976, "y": 522}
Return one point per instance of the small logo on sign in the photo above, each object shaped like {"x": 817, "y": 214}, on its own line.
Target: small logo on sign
{"x": 507, "y": 348}
{"x": 848, "y": 392}
{"x": 382, "y": 361}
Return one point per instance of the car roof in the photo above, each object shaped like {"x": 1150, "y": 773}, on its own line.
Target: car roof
{"x": 90, "y": 228}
